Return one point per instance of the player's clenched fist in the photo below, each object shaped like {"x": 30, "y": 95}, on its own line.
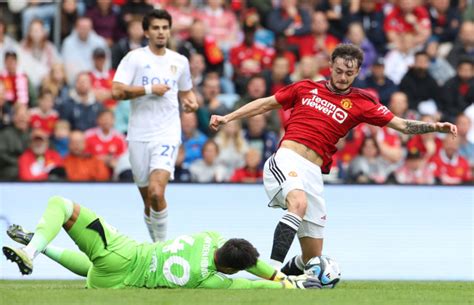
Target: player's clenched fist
{"x": 159, "y": 89}
{"x": 446, "y": 127}
{"x": 216, "y": 121}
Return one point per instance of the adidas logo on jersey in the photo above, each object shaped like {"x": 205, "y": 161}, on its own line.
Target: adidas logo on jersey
{"x": 147, "y": 66}
{"x": 325, "y": 107}
{"x": 314, "y": 91}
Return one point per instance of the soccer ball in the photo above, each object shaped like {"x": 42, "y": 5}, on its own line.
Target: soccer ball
{"x": 325, "y": 269}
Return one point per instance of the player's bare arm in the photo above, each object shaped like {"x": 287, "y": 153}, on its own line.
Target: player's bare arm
{"x": 188, "y": 100}
{"x": 253, "y": 108}
{"x": 419, "y": 127}
{"x": 125, "y": 92}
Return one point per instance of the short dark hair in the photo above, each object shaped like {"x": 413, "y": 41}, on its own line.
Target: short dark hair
{"x": 105, "y": 111}
{"x": 10, "y": 53}
{"x": 155, "y": 14}
{"x": 237, "y": 253}
{"x": 348, "y": 51}
{"x": 464, "y": 59}
{"x": 421, "y": 53}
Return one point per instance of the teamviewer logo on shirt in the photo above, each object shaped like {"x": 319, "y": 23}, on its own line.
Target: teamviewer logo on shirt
{"x": 325, "y": 107}
{"x": 339, "y": 115}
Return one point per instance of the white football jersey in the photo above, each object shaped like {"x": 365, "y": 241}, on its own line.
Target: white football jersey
{"x": 153, "y": 117}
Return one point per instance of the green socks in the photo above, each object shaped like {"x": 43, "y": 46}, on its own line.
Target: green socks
{"x": 57, "y": 213}
{"x": 74, "y": 261}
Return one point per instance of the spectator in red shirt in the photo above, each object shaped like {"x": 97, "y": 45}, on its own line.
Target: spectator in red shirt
{"x": 449, "y": 166}
{"x": 16, "y": 83}
{"x": 81, "y": 166}
{"x": 101, "y": 79}
{"x": 251, "y": 172}
{"x": 44, "y": 116}
{"x": 38, "y": 160}
{"x": 407, "y": 17}
{"x": 221, "y": 23}
{"x": 104, "y": 142}
{"x": 248, "y": 58}
{"x": 321, "y": 43}
{"x": 415, "y": 170}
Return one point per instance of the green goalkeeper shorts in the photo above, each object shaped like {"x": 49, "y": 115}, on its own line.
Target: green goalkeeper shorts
{"x": 110, "y": 252}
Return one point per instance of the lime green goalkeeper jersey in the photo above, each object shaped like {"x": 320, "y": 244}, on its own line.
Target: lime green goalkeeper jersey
{"x": 188, "y": 261}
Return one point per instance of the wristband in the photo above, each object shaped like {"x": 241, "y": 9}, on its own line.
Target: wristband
{"x": 148, "y": 89}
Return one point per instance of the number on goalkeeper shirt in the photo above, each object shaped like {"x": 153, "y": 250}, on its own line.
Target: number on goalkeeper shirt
{"x": 178, "y": 244}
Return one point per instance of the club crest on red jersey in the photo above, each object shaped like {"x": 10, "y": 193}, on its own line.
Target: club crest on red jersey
{"x": 346, "y": 103}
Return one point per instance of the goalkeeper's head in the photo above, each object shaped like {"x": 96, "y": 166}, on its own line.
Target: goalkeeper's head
{"x": 235, "y": 255}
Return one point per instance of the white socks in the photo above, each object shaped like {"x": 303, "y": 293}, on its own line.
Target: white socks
{"x": 276, "y": 264}
{"x": 159, "y": 224}
{"x": 31, "y": 251}
{"x": 148, "y": 225}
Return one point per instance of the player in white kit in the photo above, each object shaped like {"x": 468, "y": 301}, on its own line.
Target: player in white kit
{"x": 153, "y": 77}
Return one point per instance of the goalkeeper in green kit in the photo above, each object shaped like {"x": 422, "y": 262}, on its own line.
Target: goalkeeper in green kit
{"x": 110, "y": 259}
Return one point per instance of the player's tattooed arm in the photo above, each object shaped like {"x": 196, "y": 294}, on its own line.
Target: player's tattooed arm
{"x": 419, "y": 127}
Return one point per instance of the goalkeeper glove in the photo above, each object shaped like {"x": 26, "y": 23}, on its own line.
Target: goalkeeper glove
{"x": 302, "y": 282}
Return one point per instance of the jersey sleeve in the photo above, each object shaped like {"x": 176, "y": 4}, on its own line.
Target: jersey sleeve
{"x": 126, "y": 70}
{"x": 264, "y": 271}
{"x": 287, "y": 96}
{"x": 185, "y": 82}
{"x": 377, "y": 114}
{"x": 220, "y": 281}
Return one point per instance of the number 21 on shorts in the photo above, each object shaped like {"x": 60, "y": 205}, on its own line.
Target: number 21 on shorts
{"x": 167, "y": 150}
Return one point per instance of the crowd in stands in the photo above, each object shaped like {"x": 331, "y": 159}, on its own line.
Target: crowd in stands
{"x": 59, "y": 122}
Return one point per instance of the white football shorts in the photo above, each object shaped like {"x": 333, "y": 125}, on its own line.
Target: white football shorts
{"x": 148, "y": 156}
{"x": 285, "y": 171}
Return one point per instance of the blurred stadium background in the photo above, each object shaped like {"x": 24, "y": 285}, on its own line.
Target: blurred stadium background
{"x": 401, "y": 205}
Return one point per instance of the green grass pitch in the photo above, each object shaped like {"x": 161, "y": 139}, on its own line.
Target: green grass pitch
{"x": 348, "y": 292}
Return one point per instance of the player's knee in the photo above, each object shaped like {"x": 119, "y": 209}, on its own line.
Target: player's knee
{"x": 156, "y": 193}
{"x": 297, "y": 205}
{"x": 56, "y": 201}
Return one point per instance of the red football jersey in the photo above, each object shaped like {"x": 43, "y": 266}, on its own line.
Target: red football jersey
{"x": 320, "y": 117}
{"x": 103, "y": 81}
{"x": 454, "y": 171}
{"x": 251, "y": 60}
{"x": 98, "y": 144}
{"x": 44, "y": 121}
{"x": 395, "y": 20}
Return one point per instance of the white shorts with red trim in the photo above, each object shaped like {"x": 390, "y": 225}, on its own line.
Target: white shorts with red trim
{"x": 286, "y": 171}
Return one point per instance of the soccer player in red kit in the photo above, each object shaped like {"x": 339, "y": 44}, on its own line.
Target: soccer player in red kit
{"x": 323, "y": 112}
